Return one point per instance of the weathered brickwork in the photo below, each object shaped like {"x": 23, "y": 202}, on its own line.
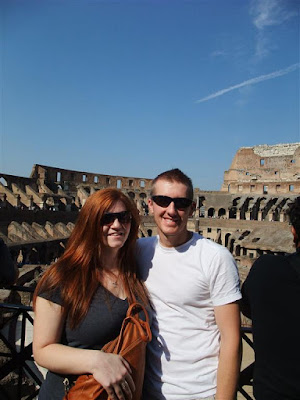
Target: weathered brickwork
{"x": 264, "y": 170}
{"x": 38, "y": 213}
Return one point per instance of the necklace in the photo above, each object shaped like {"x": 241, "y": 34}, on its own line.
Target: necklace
{"x": 114, "y": 282}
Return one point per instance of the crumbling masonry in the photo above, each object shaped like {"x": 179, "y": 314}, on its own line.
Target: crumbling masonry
{"x": 248, "y": 215}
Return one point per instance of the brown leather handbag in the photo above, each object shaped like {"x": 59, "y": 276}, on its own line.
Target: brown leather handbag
{"x": 130, "y": 344}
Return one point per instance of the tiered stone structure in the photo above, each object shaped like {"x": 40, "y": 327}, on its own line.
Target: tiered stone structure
{"x": 38, "y": 213}
{"x": 264, "y": 170}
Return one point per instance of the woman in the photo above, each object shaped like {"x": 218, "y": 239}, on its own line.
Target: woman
{"x": 82, "y": 299}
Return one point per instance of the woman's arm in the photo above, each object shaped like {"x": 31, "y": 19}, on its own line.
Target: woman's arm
{"x": 109, "y": 369}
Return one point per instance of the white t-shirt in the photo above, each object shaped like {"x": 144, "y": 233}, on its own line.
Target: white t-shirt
{"x": 185, "y": 283}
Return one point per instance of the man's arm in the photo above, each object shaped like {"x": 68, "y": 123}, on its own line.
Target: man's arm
{"x": 229, "y": 324}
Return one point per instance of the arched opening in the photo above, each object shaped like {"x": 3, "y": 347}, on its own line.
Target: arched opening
{"x": 211, "y": 212}
{"x": 131, "y": 195}
{"x": 227, "y": 239}
{"x": 143, "y": 203}
{"x": 221, "y": 212}
{"x": 231, "y": 245}
{"x": 232, "y": 213}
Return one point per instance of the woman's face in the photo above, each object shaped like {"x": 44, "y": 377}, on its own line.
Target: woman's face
{"x": 115, "y": 224}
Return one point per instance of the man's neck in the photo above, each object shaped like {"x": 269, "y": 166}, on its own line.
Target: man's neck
{"x": 174, "y": 241}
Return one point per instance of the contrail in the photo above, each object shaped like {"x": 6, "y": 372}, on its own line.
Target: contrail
{"x": 252, "y": 81}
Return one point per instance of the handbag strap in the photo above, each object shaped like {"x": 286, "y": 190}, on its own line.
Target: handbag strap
{"x": 134, "y": 305}
{"x": 142, "y": 326}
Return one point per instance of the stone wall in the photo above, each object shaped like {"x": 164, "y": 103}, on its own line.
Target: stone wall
{"x": 37, "y": 214}
{"x": 264, "y": 170}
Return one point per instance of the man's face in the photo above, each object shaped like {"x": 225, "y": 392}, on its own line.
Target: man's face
{"x": 171, "y": 222}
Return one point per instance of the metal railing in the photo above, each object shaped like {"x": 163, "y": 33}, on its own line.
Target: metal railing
{"x": 246, "y": 375}
{"x": 18, "y": 359}
{"x": 18, "y": 356}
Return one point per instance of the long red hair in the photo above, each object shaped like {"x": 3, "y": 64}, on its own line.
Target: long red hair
{"x": 78, "y": 270}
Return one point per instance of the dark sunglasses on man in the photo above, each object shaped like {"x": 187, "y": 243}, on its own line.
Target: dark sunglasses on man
{"x": 124, "y": 217}
{"x": 181, "y": 203}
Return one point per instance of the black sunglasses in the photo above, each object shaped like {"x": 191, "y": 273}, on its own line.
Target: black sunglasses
{"x": 124, "y": 217}
{"x": 181, "y": 203}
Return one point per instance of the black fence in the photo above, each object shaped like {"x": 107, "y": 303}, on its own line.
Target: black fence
{"x": 19, "y": 359}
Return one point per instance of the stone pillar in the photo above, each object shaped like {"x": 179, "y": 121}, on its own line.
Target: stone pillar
{"x": 259, "y": 216}
{"x": 18, "y": 201}
{"x": 270, "y": 216}
{"x": 247, "y": 214}
{"x": 30, "y": 202}
{"x": 282, "y": 217}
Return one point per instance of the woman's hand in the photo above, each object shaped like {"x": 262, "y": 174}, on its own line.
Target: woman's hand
{"x": 114, "y": 374}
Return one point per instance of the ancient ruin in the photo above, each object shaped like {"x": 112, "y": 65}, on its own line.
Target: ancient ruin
{"x": 264, "y": 170}
{"x": 248, "y": 214}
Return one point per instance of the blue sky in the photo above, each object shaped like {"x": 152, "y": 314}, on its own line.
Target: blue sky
{"x": 133, "y": 88}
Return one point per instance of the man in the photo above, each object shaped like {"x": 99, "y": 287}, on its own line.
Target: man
{"x": 194, "y": 288}
{"x": 8, "y": 270}
{"x": 271, "y": 298}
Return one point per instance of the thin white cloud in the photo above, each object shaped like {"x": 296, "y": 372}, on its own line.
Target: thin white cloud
{"x": 218, "y": 53}
{"x": 269, "y": 13}
{"x": 252, "y": 81}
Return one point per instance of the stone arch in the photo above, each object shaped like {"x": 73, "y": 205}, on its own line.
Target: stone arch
{"x": 201, "y": 206}
{"x": 143, "y": 203}
{"x": 231, "y": 245}
{"x": 221, "y": 212}
{"x": 227, "y": 236}
{"x": 232, "y": 213}
{"x": 131, "y": 195}
{"x": 211, "y": 212}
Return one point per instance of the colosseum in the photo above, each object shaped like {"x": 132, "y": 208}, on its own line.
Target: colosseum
{"x": 37, "y": 213}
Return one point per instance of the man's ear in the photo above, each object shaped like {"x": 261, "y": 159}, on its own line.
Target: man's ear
{"x": 150, "y": 205}
{"x": 192, "y": 209}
